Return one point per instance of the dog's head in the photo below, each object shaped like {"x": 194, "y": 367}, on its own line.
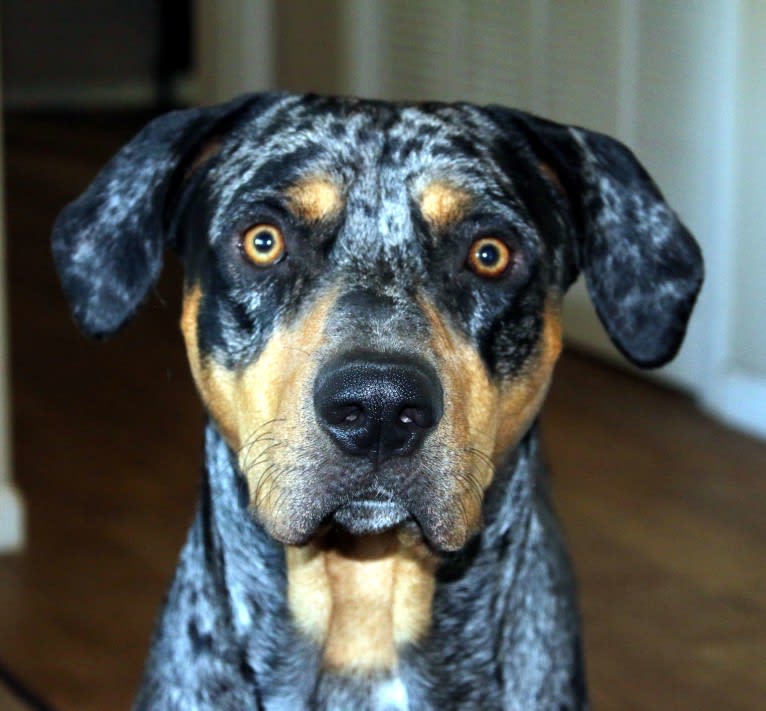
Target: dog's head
{"x": 373, "y": 290}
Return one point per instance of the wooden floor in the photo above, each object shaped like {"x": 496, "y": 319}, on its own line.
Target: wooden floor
{"x": 10, "y": 702}
{"x": 665, "y": 510}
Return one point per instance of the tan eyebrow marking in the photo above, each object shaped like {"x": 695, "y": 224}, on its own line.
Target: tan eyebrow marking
{"x": 442, "y": 203}
{"x": 315, "y": 198}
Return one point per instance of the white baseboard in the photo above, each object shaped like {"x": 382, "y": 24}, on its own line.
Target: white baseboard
{"x": 124, "y": 94}
{"x": 11, "y": 518}
{"x": 739, "y": 399}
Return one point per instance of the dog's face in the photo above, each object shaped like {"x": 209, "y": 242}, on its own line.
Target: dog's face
{"x": 371, "y": 313}
{"x": 373, "y": 290}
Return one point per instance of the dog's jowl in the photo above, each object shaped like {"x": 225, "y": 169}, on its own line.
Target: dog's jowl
{"x": 372, "y": 317}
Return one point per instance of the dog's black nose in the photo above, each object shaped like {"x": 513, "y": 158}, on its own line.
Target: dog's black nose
{"x": 377, "y": 406}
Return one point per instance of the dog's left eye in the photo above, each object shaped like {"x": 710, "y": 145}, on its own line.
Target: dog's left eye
{"x": 263, "y": 245}
{"x": 489, "y": 257}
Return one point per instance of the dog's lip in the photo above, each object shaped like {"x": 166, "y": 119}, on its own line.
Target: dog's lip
{"x": 364, "y": 516}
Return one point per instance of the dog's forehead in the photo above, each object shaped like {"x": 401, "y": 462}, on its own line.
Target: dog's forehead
{"x": 376, "y": 159}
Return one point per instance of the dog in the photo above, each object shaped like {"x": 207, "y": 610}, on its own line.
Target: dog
{"x": 372, "y": 314}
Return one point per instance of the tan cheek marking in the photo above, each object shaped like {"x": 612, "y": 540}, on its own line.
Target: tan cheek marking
{"x": 214, "y": 387}
{"x": 481, "y": 414}
{"x": 274, "y": 388}
{"x": 361, "y": 599}
{"x": 189, "y": 314}
{"x": 468, "y": 425}
{"x": 315, "y": 199}
{"x": 522, "y": 397}
{"x": 472, "y": 397}
{"x": 443, "y": 204}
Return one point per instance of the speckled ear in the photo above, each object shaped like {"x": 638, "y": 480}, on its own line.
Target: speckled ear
{"x": 643, "y": 269}
{"x": 108, "y": 243}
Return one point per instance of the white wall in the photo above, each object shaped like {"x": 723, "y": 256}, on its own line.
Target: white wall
{"x": 748, "y": 348}
{"x": 738, "y": 386}
{"x": 255, "y": 45}
{"x": 234, "y": 47}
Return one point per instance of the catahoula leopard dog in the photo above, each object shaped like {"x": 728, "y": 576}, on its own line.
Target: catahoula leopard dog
{"x": 372, "y": 314}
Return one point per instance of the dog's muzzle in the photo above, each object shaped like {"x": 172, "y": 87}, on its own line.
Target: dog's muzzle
{"x": 377, "y": 406}
{"x": 377, "y": 409}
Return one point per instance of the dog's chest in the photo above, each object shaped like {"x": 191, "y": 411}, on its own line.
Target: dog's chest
{"x": 341, "y": 693}
{"x": 389, "y": 694}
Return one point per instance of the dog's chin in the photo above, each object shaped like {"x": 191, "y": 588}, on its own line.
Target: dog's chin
{"x": 367, "y": 516}
{"x": 360, "y": 518}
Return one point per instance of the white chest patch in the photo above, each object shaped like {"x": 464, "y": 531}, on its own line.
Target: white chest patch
{"x": 391, "y": 695}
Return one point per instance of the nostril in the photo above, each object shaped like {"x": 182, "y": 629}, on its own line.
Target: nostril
{"x": 345, "y": 415}
{"x": 415, "y": 418}
{"x": 353, "y": 416}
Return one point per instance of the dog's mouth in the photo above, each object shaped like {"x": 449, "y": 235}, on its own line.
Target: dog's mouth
{"x": 417, "y": 513}
{"x": 365, "y": 516}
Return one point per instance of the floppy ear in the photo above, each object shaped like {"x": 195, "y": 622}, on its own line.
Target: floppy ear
{"x": 642, "y": 267}
{"x": 108, "y": 243}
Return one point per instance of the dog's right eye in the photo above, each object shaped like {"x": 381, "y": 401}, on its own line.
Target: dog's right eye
{"x": 489, "y": 257}
{"x": 263, "y": 245}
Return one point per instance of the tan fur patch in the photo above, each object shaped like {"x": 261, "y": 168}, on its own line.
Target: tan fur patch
{"x": 469, "y": 422}
{"x": 361, "y": 598}
{"x": 521, "y": 398}
{"x": 315, "y": 199}
{"x": 309, "y": 592}
{"x": 213, "y": 383}
{"x": 443, "y": 204}
{"x": 264, "y": 406}
{"x": 483, "y": 418}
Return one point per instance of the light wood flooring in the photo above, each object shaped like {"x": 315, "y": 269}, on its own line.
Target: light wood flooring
{"x": 665, "y": 509}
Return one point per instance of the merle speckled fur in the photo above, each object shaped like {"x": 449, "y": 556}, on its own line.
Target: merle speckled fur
{"x": 505, "y": 631}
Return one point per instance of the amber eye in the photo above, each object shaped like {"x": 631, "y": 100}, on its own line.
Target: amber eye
{"x": 489, "y": 257}
{"x": 263, "y": 245}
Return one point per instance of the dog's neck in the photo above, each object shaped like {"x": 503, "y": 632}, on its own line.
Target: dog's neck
{"x": 361, "y": 598}
{"x": 368, "y": 604}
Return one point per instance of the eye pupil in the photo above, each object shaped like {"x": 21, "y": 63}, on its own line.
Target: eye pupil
{"x": 488, "y": 255}
{"x": 263, "y": 241}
